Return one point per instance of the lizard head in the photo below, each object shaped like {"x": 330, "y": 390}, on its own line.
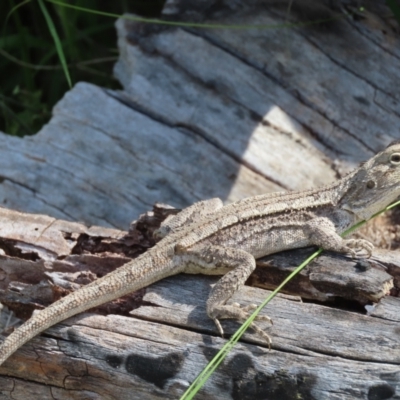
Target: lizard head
{"x": 375, "y": 184}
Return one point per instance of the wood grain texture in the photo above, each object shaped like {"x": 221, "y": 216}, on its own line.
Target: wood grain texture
{"x": 318, "y": 352}
{"x": 203, "y": 113}
{"x": 153, "y": 343}
{"x": 212, "y": 112}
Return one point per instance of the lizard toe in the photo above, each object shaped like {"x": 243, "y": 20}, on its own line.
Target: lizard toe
{"x": 239, "y": 313}
{"x": 360, "y": 248}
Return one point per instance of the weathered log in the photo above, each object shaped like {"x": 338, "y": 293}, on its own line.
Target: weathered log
{"x": 168, "y": 338}
{"x": 204, "y": 113}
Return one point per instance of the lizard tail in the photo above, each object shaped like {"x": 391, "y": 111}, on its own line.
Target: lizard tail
{"x": 126, "y": 279}
{"x": 40, "y": 321}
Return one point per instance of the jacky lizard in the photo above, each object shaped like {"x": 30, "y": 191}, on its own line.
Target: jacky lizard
{"x": 209, "y": 238}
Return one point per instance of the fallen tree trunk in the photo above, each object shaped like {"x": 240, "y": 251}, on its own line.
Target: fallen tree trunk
{"x": 154, "y": 342}
{"x": 203, "y": 113}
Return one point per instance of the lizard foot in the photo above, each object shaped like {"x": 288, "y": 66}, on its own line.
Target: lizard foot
{"x": 239, "y": 313}
{"x": 359, "y": 248}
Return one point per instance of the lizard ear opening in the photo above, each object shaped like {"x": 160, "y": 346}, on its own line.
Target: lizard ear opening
{"x": 395, "y": 159}
{"x": 371, "y": 184}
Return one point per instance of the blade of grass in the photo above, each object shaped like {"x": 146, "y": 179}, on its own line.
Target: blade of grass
{"x": 57, "y": 41}
{"x": 15, "y": 8}
{"x": 68, "y": 24}
{"x": 24, "y": 78}
{"x": 193, "y": 24}
{"x": 220, "y": 356}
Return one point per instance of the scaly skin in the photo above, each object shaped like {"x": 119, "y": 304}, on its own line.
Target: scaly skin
{"x": 211, "y": 239}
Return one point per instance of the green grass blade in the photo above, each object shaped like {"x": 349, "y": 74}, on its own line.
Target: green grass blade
{"x": 197, "y": 25}
{"x": 220, "y": 356}
{"x": 57, "y": 41}
{"x": 15, "y": 8}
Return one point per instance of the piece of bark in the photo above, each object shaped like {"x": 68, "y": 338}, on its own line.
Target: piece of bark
{"x": 364, "y": 281}
{"x": 387, "y": 308}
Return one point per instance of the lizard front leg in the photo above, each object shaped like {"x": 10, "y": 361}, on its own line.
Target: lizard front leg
{"x": 216, "y": 260}
{"x": 321, "y": 232}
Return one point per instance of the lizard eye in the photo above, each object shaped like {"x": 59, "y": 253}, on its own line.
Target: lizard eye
{"x": 395, "y": 158}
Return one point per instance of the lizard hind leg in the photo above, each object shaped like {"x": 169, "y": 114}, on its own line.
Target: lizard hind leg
{"x": 241, "y": 314}
{"x": 213, "y": 260}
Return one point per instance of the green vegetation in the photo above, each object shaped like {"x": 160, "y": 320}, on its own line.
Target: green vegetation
{"x": 33, "y": 77}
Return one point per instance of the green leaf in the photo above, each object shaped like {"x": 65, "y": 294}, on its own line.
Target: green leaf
{"x": 197, "y": 25}
{"x": 57, "y": 41}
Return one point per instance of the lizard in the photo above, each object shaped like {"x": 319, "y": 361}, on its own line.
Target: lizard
{"x": 210, "y": 238}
